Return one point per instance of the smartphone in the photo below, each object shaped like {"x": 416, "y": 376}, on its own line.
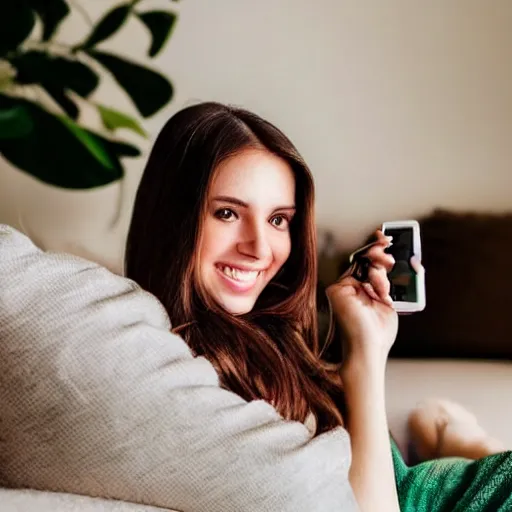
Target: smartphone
{"x": 407, "y": 286}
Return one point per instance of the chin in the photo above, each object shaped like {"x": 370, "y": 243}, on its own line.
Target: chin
{"x": 237, "y": 307}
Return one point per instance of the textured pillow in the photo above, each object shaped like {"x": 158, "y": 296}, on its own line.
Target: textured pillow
{"x": 38, "y": 501}
{"x": 97, "y": 397}
{"x": 467, "y": 258}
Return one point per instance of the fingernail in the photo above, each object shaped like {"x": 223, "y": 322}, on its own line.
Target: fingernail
{"x": 390, "y": 240}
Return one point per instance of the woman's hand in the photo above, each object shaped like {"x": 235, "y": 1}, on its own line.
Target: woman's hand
{"x": 365, "y": 311}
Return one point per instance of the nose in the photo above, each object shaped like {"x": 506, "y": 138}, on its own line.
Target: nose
{"x": 254, "y": 242}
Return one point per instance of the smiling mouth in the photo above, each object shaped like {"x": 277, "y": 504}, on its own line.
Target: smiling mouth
{"x": 240, "y": 276}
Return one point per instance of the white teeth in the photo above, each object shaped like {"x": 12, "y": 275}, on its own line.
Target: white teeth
{"x": 240, "y": 275}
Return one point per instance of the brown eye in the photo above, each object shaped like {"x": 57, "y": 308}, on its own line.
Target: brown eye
{"x": 225, "y": 214}
{"x": 279, "y": 221}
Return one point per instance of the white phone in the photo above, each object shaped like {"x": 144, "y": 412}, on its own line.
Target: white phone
{"x": 407, "y": 286}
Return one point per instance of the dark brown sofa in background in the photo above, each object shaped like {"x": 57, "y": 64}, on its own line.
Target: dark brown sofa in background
{"x": 460, "y": 347}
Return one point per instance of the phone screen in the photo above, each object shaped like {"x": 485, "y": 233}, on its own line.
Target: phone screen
{"x": 402, "y": 277}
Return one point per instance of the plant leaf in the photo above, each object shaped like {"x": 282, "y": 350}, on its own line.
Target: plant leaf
{"x": 15, "y": 122}
{"x": 160, "y": 24}
{"x": 16, "y": 23}
{"x": 62, "y": 99}
{"x": 122, "y": 148}
{"x": 51, "y": 12}
{"x": 112, "y": 120}
{"x": 110, "y": 24}
{"x": 59, "y": 152}
{"x": 90, "y": 142}
{"x": 149, "y": 90}
{"x": 56, "y": 74}
{"x": 60, "y": 72}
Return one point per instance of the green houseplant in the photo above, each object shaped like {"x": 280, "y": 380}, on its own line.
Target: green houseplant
{"x": 49, "y": 143}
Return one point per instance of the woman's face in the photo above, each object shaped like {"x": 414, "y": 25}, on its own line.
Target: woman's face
{"x": 246, "y": 238}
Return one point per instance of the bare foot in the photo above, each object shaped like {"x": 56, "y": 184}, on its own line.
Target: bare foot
{"x": 441, "y": 428}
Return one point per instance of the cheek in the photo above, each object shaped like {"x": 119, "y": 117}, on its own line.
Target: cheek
{"x": 282, "y": 250}
{"x": 217, "y": 239}
{"x": 207, "y": 249}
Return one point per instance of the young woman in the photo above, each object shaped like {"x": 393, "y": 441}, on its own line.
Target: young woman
{"x": 223, "y": 233}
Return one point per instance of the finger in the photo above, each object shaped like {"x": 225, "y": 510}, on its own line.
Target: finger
{"x": 345, "y": 287}
{"x": 382, "y": 238}
{"x": 379, "y": 280}
{"x": 380, "y": 283}
{"x": 416, "y": 265}
{"x": 346, "y": 280}
{"x": 381, "y": 259}
{"x": 368, "y": 288}
{"x": 348, "y": 272}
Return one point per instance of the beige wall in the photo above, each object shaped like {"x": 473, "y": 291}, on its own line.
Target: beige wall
{"x": 398, "y": 107}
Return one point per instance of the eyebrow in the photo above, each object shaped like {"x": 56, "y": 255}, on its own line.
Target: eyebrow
{"x": 238, "y": 202}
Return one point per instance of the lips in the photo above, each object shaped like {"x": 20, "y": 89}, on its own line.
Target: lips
{"x": 238, "y": 280}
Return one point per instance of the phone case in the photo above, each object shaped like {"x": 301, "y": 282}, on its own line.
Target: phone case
{"x": 420, "y": 303}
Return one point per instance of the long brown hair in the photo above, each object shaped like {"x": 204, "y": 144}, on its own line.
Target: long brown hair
{"x": 271, "y": 353}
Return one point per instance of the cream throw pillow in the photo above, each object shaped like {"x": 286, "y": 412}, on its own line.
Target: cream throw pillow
{"x": 44, "y": 501}
{"x": 98, "y": 398}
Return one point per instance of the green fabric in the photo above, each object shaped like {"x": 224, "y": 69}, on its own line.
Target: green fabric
{"x": 455, "y": 484}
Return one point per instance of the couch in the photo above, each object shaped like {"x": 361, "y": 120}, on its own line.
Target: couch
{"x": 481, "y": 386}
{"x": 459, "y": 348}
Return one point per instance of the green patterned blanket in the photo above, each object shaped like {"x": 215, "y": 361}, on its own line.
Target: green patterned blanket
{"x": 455, "y": 484}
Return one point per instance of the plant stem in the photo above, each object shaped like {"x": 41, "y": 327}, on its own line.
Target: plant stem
{"x": 48, "y": 45}
{"x": 82, "y": 11}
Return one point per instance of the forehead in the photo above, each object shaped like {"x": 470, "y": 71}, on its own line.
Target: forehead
{"x": 255, "y": 176}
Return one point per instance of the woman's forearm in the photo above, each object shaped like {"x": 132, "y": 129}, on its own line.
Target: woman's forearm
{"x": 371, "y": 474}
